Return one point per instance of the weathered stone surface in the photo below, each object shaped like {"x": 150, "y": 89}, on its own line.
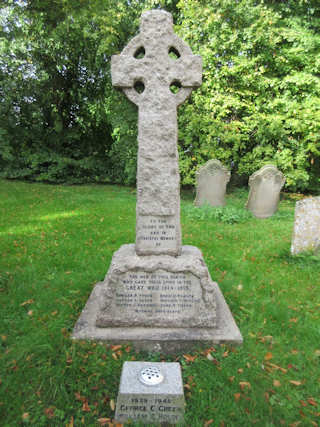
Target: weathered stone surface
{"x": 158, "y": 181}
{"x": 265, "y": 186}
{"x": 306, "y": 232}
{"x": 212, "y": 179}
{"x": 165, "y": 340}
{"x": 150, "y": 403}
{"x": 157, "y": 295}
{"x": 157, "y": 291}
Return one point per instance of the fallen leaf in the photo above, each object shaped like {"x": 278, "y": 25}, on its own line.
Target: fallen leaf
{"x": 79, "y": 397}
{"x": 49, "y": 412}
{"x": 114, "y": 356}
{"x": 240, "y": 370}
{"x": 311, "y": 401}
{"x": 274, "y": 366}
{"x": 295, "y": 382}
{"x": 317, "y": 353}
{"x": 237, "y": 396}
{"x": 303, "y": 403}
{"x": 189, "y": 358}
{"x": 85, "y": 406}
{"x": 29, "y": 301}
{"x": 103, "y": 421}
{"x": 207, "y": 423}
{"x": 276, "y": 383}
{"x": 244, "y": 384}
{"x": 231, "y": 378}
{"x": 293, "y": 320}
{"x": 268, "y": 356}
{"x": 209, "y": 357}
{"x": 25, "y": 415}
{"x": 115, "y": 347}
{"x": 112, "y": 404}
{"x": 294, "y": 351}
{"x": 225, "y": 354}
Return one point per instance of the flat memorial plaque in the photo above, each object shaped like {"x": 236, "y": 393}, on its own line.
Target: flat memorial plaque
{"x": 148, "y": 402}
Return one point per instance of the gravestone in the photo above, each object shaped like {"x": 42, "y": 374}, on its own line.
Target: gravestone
{"x": 212, "y": 179}
{"x": 157, "y": 293}
{"x": 265, "y": 186}
{"x": 150, "y": 392}
{"x": 306, "y": 231}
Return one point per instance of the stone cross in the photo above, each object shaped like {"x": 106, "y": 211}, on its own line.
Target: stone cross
{"x": 157, "y": 71}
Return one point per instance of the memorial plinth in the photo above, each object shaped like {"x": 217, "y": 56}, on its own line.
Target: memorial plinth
{"x": 157, "y": 293}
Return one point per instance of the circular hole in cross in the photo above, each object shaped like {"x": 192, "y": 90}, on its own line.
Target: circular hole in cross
{"x": 175, "y": 86}
{"x": 139, "y": 86}
{"x": 174, "y": 53}
{"x": 140, "y": 52}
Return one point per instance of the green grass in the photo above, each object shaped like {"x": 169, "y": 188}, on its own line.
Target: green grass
{"x": 56, "y": 242}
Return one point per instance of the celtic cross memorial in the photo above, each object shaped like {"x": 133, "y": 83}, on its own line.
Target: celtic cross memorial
{"x": 157, "y": 71}
{"x": 157, "y": 293}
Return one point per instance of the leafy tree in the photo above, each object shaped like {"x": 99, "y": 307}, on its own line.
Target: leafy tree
{"x": 56, "y": 69}
{"x": 61, "y": 120}
{"x": 259, "y": 101}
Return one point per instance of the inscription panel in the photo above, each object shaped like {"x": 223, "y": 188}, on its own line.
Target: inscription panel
{"x": 158, "y": 294}
{"x": 150, "y": 408}
{"x": 160, "y": 298}
{"x": 156, "y": 234}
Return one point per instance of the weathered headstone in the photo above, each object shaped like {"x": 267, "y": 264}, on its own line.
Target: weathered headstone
{"x": 265, "y": 186}
{"x": 150, "y": 392}
{"x": 157, "y": 293}
{"x": 212, "y": 179}
{"x": 306, "y": 231}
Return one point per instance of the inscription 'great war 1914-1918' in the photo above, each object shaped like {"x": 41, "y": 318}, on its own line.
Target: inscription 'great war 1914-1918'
{"x": 158, "y": 292}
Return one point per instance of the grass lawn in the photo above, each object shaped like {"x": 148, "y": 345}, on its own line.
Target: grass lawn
{"x": 57, "y": 242}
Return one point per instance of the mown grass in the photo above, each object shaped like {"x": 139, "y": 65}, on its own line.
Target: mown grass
{"x": 57, "y": 242}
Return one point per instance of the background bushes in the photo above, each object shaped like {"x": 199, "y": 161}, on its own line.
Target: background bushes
{"x": 61, "y": 120}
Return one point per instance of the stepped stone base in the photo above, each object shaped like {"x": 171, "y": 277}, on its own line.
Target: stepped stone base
{"x": 139, "y": 303}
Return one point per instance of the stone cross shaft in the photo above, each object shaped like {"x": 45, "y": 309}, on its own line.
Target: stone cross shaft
{"x": 149, "y": 68}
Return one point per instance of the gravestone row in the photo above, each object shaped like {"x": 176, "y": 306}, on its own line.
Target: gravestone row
{"x": 265, "y": 186}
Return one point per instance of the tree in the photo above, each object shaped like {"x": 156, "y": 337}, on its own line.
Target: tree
{"x": 55, "y": 126}
{"x": 259, "y": 102}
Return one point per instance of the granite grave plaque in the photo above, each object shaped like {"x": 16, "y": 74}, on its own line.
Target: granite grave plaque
{"x": 150, "y": 392}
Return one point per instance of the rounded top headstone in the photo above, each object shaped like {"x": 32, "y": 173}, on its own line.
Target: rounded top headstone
{"x": 151, "y": 375}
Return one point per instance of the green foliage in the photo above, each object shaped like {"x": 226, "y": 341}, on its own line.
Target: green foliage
{"x": 62, "y": 121}
{"x": 259, "y": 101}
{"x": 55, "y": 65}
{"x": 227, "y": 214}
